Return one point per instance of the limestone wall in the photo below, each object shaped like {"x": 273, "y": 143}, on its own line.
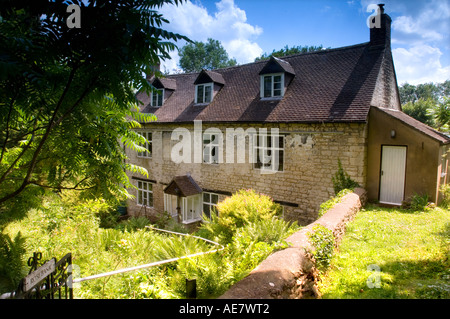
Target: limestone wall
{"x": 311, "y": 155}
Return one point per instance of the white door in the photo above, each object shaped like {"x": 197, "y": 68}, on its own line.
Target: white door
{"x": 393, "y": 168}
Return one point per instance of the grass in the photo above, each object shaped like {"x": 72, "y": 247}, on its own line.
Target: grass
{"x": 392, "y": 253}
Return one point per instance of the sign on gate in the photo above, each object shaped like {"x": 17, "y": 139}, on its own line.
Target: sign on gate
{"x": 39, "y": 274}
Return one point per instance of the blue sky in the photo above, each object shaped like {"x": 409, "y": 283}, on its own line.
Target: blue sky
{"x": 248, "y": 28}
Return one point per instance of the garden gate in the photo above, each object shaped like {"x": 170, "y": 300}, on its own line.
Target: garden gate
{"x": 46, "y": 279}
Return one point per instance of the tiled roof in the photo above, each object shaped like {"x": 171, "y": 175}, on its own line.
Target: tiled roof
{"x": 421, "y": 127}
{"x": 183, "y": 186}
{"x": 333, "y": 85}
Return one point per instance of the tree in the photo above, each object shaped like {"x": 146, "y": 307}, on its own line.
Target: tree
{"x": 428, "y": 103}
{"x": 67, "y": 95}
{"x": 440, "y": 112}
{"x": 290, "y": 51}
{"x": 418, "y": 109}
{"x": 198, "y": 55}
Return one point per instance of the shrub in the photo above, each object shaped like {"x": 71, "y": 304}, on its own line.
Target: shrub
{"x": 341, "y": 180}
{"x": 242, "y": 208}
{"x": 322, "y": 239}
{"x": 420, "y": 202}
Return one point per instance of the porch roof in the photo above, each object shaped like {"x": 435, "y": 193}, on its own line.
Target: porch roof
{"x": 183, "y": 186}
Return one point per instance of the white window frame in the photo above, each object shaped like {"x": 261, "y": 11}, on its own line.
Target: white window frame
{"x": 148, "y": 145}
{"x": 159, "y": 95}
{"x": 190, "y": 211}
{"x": 208, "y": 148}
{"x": 210, "y": 203}
{"x": 203, "y": 97}
{"x": 272, "y": 86}
{"x": 259, "y": 147}
{"x": 144, "y": 193}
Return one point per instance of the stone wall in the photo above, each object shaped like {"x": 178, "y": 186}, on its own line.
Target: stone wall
{"x": 289, "y": 273}
{"x": 311, "y": 154}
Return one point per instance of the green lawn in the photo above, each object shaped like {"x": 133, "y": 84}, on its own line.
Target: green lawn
{"x": 392, "y": 253}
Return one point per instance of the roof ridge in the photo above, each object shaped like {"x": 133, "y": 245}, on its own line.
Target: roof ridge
{"x": 280, "y": 58}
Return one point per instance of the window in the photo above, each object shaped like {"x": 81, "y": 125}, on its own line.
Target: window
{"x": 203, "y": 93}
{"x": 191, "y": 208}
{"x": 157, "y": 97}
{"x": 272, "y": 85}
{"x": 269, "y": 152}
{"x": 210, "y": 201}
{"x": 147, "y": 145}
{"x": 210, "y": 148}
{"x": 145, "y": 193}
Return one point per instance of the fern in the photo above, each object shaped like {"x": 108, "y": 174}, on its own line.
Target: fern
{"x": 12, "y": 261}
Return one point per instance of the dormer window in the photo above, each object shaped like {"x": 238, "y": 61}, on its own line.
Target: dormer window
{"x": 207, "y": 84}
{"x": 157, "y": 97}
{"x": 203, "y": 93}
{"x": 275, "y": 78}
{"x": 272, "y": 85}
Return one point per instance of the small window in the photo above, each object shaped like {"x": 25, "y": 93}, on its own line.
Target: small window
{"x": 272, "y": 85}
{"x": 269, "y": 152}
{"x": 147, "y": 145}
{"x": 210, "y": 148}
{"x": 157, "y": 97}
{"x": 145, "y": 193}
{"x": 203, "y": 93}
{"x": 210, "y": 201}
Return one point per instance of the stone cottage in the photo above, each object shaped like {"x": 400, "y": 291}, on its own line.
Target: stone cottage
{"x": 279, "y": 127}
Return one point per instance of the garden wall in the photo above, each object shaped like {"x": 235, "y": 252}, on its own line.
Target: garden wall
{"x": 289, "y": 273}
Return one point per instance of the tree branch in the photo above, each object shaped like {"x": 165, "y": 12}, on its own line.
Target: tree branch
{"x": 50, "y": 126}
{"x": 7, "y": 127}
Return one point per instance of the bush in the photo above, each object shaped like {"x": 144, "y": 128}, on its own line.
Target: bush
{"x": 420, "y": 203}
{"x": 341, "y": 180}
{"x": 322, "y": 240}
{"x": 244, "y": 207}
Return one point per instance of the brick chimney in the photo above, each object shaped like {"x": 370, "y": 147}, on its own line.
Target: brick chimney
{"x": 380, "y": 28}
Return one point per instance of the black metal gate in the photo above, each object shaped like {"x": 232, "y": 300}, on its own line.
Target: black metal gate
{"x": 49, "y": 279}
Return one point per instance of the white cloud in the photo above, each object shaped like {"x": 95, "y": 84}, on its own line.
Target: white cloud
{"x": 228, "y": 25}
{"x": 419, "y": 64}
{"x": 420, "y": 39}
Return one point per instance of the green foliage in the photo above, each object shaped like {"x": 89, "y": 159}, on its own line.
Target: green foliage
{"x": 425, "y": 91}
{"x": 290, "y": 51}
{"x": 341, "y": 180}
{"x": 440, "y": 112}
{"x": 67, "y": 96}
{"x": 244, "y": 207}
{"x": 322, "y": 239}
{"x": 420, "y": 203}
{"x": 419, "y": 110}
{"x": 12, "y": 260}
{"x": 325, "y": 206}
{"x": 198, "y": 55}
{"x": 445, "y": 191}
{"x": 428, "y": 103}
{"x": 65, "y": 223}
